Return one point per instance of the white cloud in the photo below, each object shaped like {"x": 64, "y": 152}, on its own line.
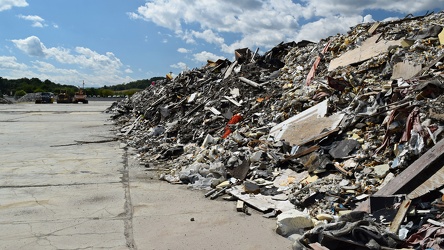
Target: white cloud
{"x": 368, "y": 19}
{"x": 351, "y": 7}
{"x": 8, "y": 4}
{"x": 276, "y": 19}
{"x": 233, "y": 24}
{"x": 204, "y": 56}
{"x": 324, "y": 27}
{"x": 128, "y": 71}
{"x": 36, "y": 20}
{"x": 82, "y": 57}
{"x": 104, "y": 68}
{"x": 209, "y": 36}
{"x": 180, "y": 65}
{"x": 31, "y": 46}
{"x": 47, "y": 68}
{"x": 10, "y": 63}
{"x": 183, "y": 50}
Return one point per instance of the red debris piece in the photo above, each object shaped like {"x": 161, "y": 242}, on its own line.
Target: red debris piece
{"x": 234, "y": 120}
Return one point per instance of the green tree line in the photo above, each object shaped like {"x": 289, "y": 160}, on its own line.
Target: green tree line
{"x": 19, "y": 87}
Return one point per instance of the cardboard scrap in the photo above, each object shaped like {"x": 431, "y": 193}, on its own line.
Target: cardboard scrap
{"x": 306, "y": 125}
{"x": 371, "y": 47}
{"x": 405, "y": 70}
{"x": 260, "y": 202}
{"x": 441, "y": 37}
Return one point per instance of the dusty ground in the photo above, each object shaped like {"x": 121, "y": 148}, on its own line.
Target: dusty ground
{"x": 65, "y": 183}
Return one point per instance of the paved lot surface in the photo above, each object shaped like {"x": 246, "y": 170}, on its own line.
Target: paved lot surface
{"x": 65, "y": 183}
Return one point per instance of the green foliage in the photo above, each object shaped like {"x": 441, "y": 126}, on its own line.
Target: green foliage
{"x": 20, "y": 93}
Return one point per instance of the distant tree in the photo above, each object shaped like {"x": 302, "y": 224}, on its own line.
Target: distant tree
{"x": 20, "y": 93}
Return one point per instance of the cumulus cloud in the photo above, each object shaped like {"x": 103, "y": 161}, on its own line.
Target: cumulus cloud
{"x": 327, "y": 26}
{"x": 215, "y": 19}
{"x": 352, "y": 7}
{"x": 8, "y": 4}
{"x": 31, "y": 46}
{"x": 233, "y": 24}
{"x": 180, "y": 65}
{"x": 10, "y": 63}
{"x": 183, "y": 50}
{"x": 81, "y": 56}
{"x": 209, "y": 36}
{"x": 205, "y": 55}
{"x": 106, "y": 68}
{"x": 36, "y": 20}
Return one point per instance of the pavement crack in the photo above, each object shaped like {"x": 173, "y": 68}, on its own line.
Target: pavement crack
{"x": 40, "y": 204}
{"x": 57, "y": 185}
{"x": 128, "y": 206}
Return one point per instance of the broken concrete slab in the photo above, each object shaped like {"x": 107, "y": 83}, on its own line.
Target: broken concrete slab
{"x": 293, "y": 221}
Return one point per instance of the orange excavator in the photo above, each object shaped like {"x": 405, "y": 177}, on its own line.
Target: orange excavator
{"x": 80, "y": 96}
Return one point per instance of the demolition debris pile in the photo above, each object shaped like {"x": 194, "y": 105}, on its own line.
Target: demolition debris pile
{"x": 341, "y": 139}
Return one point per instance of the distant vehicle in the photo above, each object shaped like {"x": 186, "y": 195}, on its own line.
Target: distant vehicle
{"x": 63, "y": 97}
{"x": 43, "y": 97}
{"x": 80, "y": 96}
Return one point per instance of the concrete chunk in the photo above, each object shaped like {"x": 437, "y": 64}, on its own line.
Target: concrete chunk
{"x": 293, "y": 221}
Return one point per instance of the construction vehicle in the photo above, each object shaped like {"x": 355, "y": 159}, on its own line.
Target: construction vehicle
{"x": 43, "y": 97}
{"x": 80, "y": 96}
{"x": 63, "y": 97}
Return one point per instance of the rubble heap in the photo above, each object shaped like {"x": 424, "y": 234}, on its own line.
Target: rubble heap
{"x": 4, "y": 101}
{"x": 343, "y": 137}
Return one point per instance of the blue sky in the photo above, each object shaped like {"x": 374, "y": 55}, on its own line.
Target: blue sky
{"x": 108, "y": 42}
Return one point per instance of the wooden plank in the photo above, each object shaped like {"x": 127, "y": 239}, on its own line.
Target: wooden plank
{"x": 402, "y": 211}
{"x": 403, "y": 183}
{"x": 413, "y": 176}
{"x": 373, "y": 28}
{"x": 436, "y": 181}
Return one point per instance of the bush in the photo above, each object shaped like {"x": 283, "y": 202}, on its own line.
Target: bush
{"x": 20, "y": 93}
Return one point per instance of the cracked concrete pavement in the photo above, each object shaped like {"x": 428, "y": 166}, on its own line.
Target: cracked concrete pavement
{"x": 66, "y": 184}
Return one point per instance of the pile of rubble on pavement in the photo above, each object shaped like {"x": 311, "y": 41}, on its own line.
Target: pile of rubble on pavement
{"x": 341, "y": 140}
{"x": 4, "y": 101}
